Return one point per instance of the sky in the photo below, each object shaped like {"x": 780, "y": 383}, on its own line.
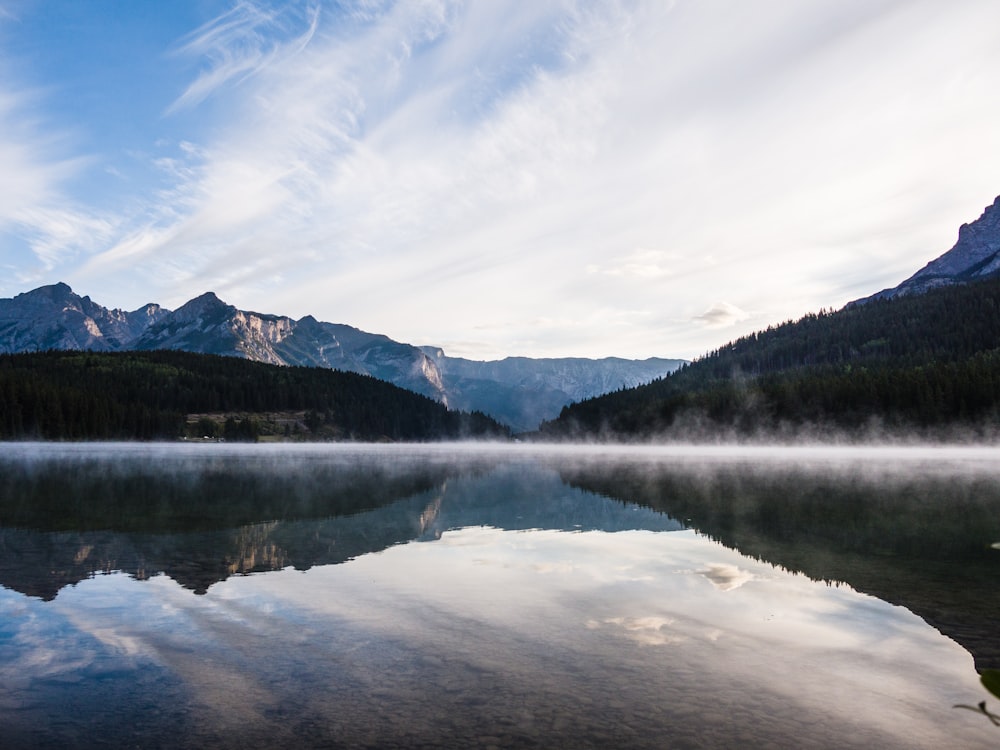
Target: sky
{"x": 587, "y": 178}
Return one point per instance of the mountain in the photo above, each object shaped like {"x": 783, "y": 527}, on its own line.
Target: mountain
{"x": 920, "y": 359}
{"x": 208, "y": 325}
{"x": 53, "y": 317}
{"x": 518, "y": 391}
{"x": 976, "y": 256}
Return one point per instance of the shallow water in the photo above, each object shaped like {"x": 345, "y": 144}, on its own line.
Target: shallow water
{"x": 442, "y": 596}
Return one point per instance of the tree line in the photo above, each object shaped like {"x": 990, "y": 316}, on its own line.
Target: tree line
{"x": 60, "y": 395}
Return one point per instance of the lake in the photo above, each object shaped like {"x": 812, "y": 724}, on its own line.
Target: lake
{"x": 211, "y": 595}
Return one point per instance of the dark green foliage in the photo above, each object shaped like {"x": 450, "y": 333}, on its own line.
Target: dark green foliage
{"x": 991, "y": 681}
{"x": 59, "y": 395}
{"x": 927, "y": 362}
{"x": 241, "y": 430}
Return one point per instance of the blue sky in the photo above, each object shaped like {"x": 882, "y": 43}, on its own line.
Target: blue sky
{"x": 565, "y": 178}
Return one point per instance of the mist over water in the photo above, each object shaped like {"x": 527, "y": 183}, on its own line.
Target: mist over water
{"x": 497, "y": 595}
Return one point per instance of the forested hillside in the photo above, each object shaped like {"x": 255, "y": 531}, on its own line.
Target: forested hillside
{"x": 928, "y": 363}
{"x": 157, "y": 395}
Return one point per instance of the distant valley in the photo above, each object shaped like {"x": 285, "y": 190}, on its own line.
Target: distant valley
{"x": 518, "y": 391}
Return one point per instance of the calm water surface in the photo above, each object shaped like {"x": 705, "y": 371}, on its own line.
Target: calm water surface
{"x": 191, "y": 596}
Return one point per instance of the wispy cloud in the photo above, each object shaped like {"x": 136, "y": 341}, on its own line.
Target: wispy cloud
{"x": 641, "y": 263}
{"x": 54, "y": 232}
{"x": 241, "y": 43}
{"x": 34, "y": 168}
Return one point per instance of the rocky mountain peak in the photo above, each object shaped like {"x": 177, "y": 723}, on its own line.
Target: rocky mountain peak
{"x": 208, "y": 300}
{"x": 985, "y": 224}
{"x": 59, "y": 294}
{"x": 59, "y": 290}
{"x": 978, "y": 244}
{"x": 150, "y": 309}
{"x": 975, "y": 256}
{"x": 204, "y": 305}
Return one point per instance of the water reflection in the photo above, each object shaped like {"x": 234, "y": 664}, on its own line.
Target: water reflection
{"x": 200, "y": 516}
{"x": 513, "y": 600}
{"x": 918, "y": 535}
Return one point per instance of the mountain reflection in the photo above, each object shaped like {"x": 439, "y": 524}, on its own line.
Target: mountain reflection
{"x": 198, "y": 520}
{"x": 203, "y": 519}
{"x": 914, "y": 537}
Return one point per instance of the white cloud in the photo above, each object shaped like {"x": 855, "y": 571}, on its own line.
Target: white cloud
{"x": 726, "y": 576}
{"x": 438, "y": 171}
{"x": 721, "y": 315}
{"x": 648, "y": 631}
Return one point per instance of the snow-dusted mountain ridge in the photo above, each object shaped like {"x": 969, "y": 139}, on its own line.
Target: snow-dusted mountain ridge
{"x": 518, "y": 390}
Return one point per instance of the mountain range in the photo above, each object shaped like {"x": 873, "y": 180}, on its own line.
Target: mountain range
{"x": 519, "y": 391}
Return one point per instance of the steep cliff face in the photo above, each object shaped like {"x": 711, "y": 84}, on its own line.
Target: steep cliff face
{"x": 208, "y": 325}
{"x": 976, "y": 255}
